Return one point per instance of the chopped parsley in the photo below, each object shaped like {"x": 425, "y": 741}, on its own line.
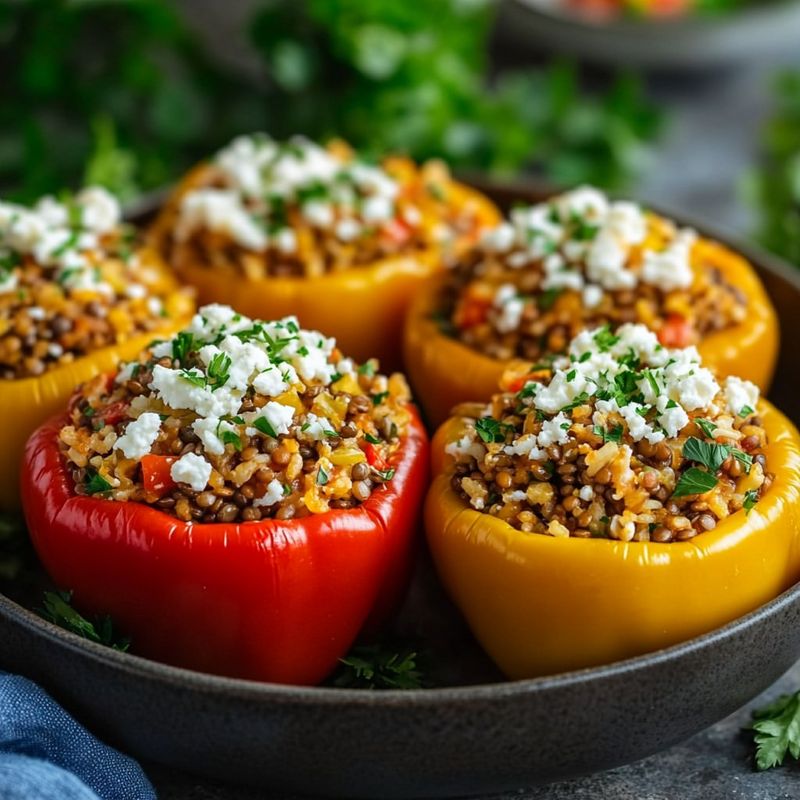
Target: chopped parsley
{"x": 57, "y": 609}
{"x": 694, "y": 481}
{"x": 706, "y": 426}
{"x": 612, "y": 435}
{"x": 378, "y": 398}
{"x": 709, "y": 454}
{"x": 746, "y": 411}
{"x": 750, "y": 499}
{"x": 547, "y": 299}
{"x": 96, "y": 483}
{"x": 322, "y": 477}
{"x": 263, "y": 425}
{"x": 491, "y": 430}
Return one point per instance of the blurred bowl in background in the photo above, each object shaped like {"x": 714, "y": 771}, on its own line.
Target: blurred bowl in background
{"x": 687, "y": 43}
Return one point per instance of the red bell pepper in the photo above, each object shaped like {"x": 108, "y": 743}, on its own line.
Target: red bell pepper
{"x": 273, "y": 600}
{"x": 676, "y": 331}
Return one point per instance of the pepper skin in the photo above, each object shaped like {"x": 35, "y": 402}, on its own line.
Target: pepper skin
{"x": 273, "y": 600}
{"x": 362, "y": 307}
{"x": 28, "y": 402}
{"x": 444, "y": 372}
{"x": 540, "y": 605}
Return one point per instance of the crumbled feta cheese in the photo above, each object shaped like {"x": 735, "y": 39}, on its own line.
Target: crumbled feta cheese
{"x": 592, "y": 296}
{"x": 740, "y": 395}
{"x": 554, "y": 431}
{"x": 272, "y": 495}
{"x": 193, "y": 470}
{"x": 586, "y": 493}
{"x": 348, "y": 229}
{"x": 139, "y": 436}
{"x": 671, "y": 268}
{"x": 466, "y": 446}
{"x": 222, "y": 211}
{"x": 277, "y": 415}
{"x": 208, "y": 430}
{"x": 509, "y": 307}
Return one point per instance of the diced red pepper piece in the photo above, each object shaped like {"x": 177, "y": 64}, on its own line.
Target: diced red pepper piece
{"x": 156, "y": 473}
{"x": 676, "y": 331}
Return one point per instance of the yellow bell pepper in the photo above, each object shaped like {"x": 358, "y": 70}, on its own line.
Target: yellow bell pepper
{"x": 363, "y": 307}
{"x": 444, "y": 372}
{"x": 28, "y": 402}
{"x": 540, "y": 604}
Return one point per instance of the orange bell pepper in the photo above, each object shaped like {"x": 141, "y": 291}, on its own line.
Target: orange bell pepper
{"x": 363, "y": 307}
{"x": 444, "y": 372}
{"x": 541, "y": 605}
{"x": 26, "y": 403}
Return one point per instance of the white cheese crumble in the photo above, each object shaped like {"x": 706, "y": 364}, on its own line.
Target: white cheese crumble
{"x": 62, "y": 236}
{"x": 261, "y": 177}
{"x": 586, "y": 243}
{"x": 139, "y": 436}
{"x": 636, "y": 385}
{"x": 742, "y": 395}
{"x": 193, "y": 470}
{"x": 271, "y": 496}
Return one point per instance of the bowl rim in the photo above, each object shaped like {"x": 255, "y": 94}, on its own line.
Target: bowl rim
{"x": 183, "y": 678}
{"x": 180, "y": 677}
{"x": 667, "y": 26}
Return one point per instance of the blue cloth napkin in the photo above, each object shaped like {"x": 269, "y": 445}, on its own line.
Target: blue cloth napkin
{"x": 46, "y": 755}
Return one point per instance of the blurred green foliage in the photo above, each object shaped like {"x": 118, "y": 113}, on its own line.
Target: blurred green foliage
{"x": 118, "y": 92}
{"x": 412, "y": 77}
{"x": 777, "y": 184}
{"x": 78, "y": 72}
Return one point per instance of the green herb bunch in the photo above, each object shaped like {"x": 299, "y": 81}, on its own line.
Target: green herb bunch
{"x": 776, "y": 187}
{"x": 411, "y": 77}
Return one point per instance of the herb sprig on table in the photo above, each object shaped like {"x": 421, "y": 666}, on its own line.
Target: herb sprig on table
{"x": 379, "y": 666}
{"x": 776, "y": 731}
{"x": 57, "y": 609}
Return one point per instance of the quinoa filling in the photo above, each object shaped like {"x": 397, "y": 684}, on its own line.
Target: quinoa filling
{"x": 235, "y": 419}
{"x": 578, "y": 261}
{"x": 294, "y": 208}
{"x": 72, "y": 280}
{"x": 621, "y": 438}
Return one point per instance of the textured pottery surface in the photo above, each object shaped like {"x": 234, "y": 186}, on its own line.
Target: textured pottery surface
{"x": 756, "y": 32}
{"x": 477, "y": 735}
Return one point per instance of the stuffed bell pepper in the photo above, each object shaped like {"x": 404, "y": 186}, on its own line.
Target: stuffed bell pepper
{"x": 576, "y": 262}
{"x": 277, "y": 228}
{"x": 618, "y": 501}
{"x": 77, "y": 294}
{"x": 243, "y": 499}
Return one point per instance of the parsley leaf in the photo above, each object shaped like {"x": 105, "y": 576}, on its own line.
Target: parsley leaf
{"x": 604, "y": 339}
{"x": 378, "y": 398}
{"x": 263, "y": 425}
{"x": 706, "y": 426}
{"x": 322, "y": 477}
{"x": 745, "y": 459}
{"x": 377, "y": 666}
{"x": 182, "y": 345}
{"x": 578, "y": 401}
{"x": 746, "y": 411}
{"x": 231, "y": 437}
{"x": 372, "y": 439}
{"x": 96, "y": 483}
{"x": 218, "y": 370}
{"x": 546, "y": 300}
{"x": 613, "y": 435}
{"x": 694, "y": 481}
{"x": 709, "y": 454}
{"x": 750, "y": 499}
{"x": 776, "y": 731}
{"x": 491, "y": 430}
{"x": 57, "y": 609}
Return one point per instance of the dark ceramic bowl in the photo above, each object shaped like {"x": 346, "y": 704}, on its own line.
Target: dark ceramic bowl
{"x": 478, "y": 734}
{"x": 755, "y": 32}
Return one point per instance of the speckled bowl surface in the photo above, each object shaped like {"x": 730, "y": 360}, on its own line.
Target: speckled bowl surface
{"x": 754, "y": 32}
{"x": 476, "y": 735}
